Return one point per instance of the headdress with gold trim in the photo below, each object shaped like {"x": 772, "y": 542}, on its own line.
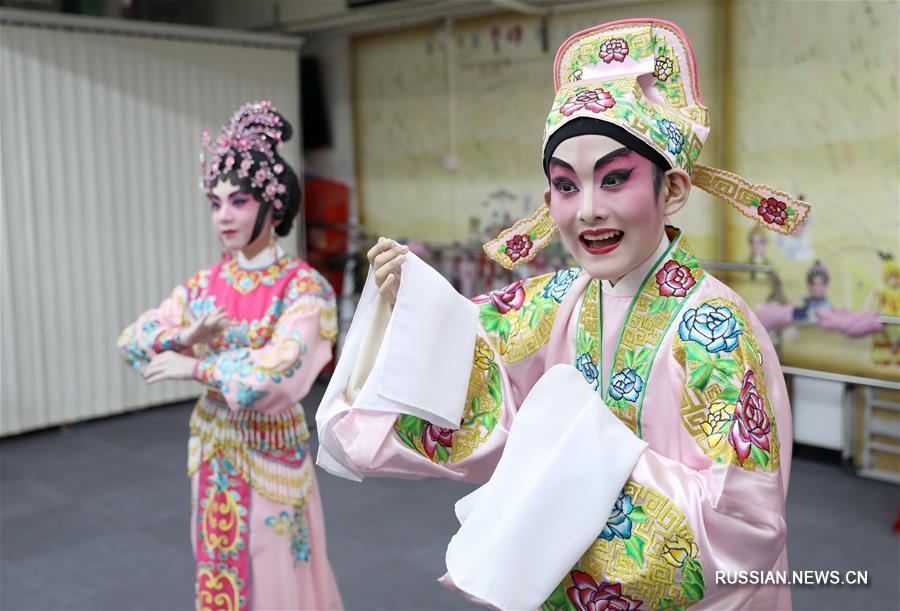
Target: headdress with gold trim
{"x": 640, "y": 75}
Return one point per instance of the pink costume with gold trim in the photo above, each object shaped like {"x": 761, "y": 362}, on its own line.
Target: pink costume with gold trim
{"x": 669, "y": 446}
{"x": 257, "y": 527}
{"x": 634, "y": 440}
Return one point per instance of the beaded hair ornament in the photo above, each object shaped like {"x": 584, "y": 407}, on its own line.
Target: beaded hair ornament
{"x": 640, "y": 75}
{"x": 258, "y": 127}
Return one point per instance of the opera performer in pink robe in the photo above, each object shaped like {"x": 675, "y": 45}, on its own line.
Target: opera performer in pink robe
{"x": 255, "y": 330}
{"x": 628, "y": 417}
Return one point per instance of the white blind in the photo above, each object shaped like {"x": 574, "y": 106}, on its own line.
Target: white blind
{"x": 101, "y": 211}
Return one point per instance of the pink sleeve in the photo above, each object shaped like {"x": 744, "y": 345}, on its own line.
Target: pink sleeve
{"x": 724, "y": 518}
{"x": 850, "y": 323}
{"x": 155, "y": 330}
{"x": 387, "y": 444}
{"x": 724, "y": 515}
{"x": 281, "y": 372}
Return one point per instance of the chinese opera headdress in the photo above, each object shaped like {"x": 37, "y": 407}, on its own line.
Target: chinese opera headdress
{"x": 636, "y": 81}
{"x": 247, "y": 150}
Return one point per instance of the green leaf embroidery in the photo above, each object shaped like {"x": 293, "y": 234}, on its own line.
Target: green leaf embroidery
{"x": 728, "y": 366}
{"x": 503, "y": 329}
{"x": 730, "y": 393}
{"x": 695, "y": 352}
{"x": 489, "y": 421}
{"x": 665, "y": 604}
{"x": 475, "y": 406}
{"x": 641, "y": 357}
{"x": 637, "y": 514}
{"x": 634, "y": 547}
{"x": 494, "y": 385}
{"x": 760, "y": 456}
{"x": 442, "y": 454}
{"x": 691, "y": 590}
{"x": 671, "y": 304}
{"x": 656, "y": 305}
{"x": 700, "y": 377}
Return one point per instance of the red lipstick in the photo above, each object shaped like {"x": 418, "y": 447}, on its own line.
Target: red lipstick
{"x": 600, "y": 241}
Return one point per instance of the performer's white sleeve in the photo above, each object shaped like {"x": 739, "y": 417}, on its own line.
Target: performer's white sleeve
{"x": 421, "y": 366}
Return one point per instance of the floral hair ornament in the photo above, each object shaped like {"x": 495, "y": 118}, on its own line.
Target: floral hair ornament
{"x": 640, "y": 75}
{"x": 255, "y": 127}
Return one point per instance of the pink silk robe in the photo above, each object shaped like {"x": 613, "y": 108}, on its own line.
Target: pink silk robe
{"x": 684, "y": 469}
{"x": 257, "y": 529}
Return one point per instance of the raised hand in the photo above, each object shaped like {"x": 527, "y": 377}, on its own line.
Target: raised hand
{"x": 203, "y": 329}
{"x": 169, "y": 366}
{"x": 386, "y": 257}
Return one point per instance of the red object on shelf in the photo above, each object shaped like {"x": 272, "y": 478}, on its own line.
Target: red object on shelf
{"x": 327, "y": 220}
{"x": 327, "y": 201}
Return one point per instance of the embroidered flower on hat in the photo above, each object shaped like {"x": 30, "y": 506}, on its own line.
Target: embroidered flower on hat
{"x": 614, "y": 49}
{"x": 773, "y": 211}
{"x": 663, "y": 68}
{"x": 675, "y": 137}
{"x": 595, "y": 100}
{"x": 518, "y": 246}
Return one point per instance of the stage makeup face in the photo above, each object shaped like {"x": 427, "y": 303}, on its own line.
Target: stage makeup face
{"x": 234, "y": 215}
{"x": 603, "y": 199}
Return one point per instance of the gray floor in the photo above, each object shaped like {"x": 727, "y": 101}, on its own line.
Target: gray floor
{"x": 95, "y": 517}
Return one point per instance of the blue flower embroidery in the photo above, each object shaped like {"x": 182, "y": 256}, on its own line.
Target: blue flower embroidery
{"x": 671, "y": 131}
{"x": 202, "y": 306}
{"x": 713, "y": 328}
{"x": 618, "y": 525}
{"x": 560, "y": 283}
{"x": 585, "y": 364}
{"x": 296, "y": 529}
{"x": 247, "y": 396}
{"x": 626, "y": 384}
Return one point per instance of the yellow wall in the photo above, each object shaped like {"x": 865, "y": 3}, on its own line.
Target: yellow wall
{"x": 813, "y": 109}
{"x": 501, "y": 102}
{"x": 803, "y": 96}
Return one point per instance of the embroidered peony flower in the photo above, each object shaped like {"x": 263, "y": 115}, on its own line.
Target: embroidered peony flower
{"x": 585, "y": 364}
{"x": 674, "y": 279}
{"x": 557, "y": 287}
{"x": 750, "y": 425}
{"x": 626, "y": 384}
{"x": 773, "y": 211}
{"x": 506, "y": 299}
{"x": 432, "y": 436}
{"x": 595, "y": 100}
{"x": 678, "y": 551}
{"x": 663, "y": 68}
{"x": 674, "y": 135}
{"x": 618, "y": 524}
{"x": 719, "y": 414}
{"x": 587, "y": 595}
{"x": 518, "y": 247}
{"x": 713, "y": 328}
{"x": 614, "y": 49}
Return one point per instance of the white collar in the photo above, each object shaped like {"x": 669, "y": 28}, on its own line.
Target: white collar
{"x": 631, "y": 282}
{"x": 264, "y": 258}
